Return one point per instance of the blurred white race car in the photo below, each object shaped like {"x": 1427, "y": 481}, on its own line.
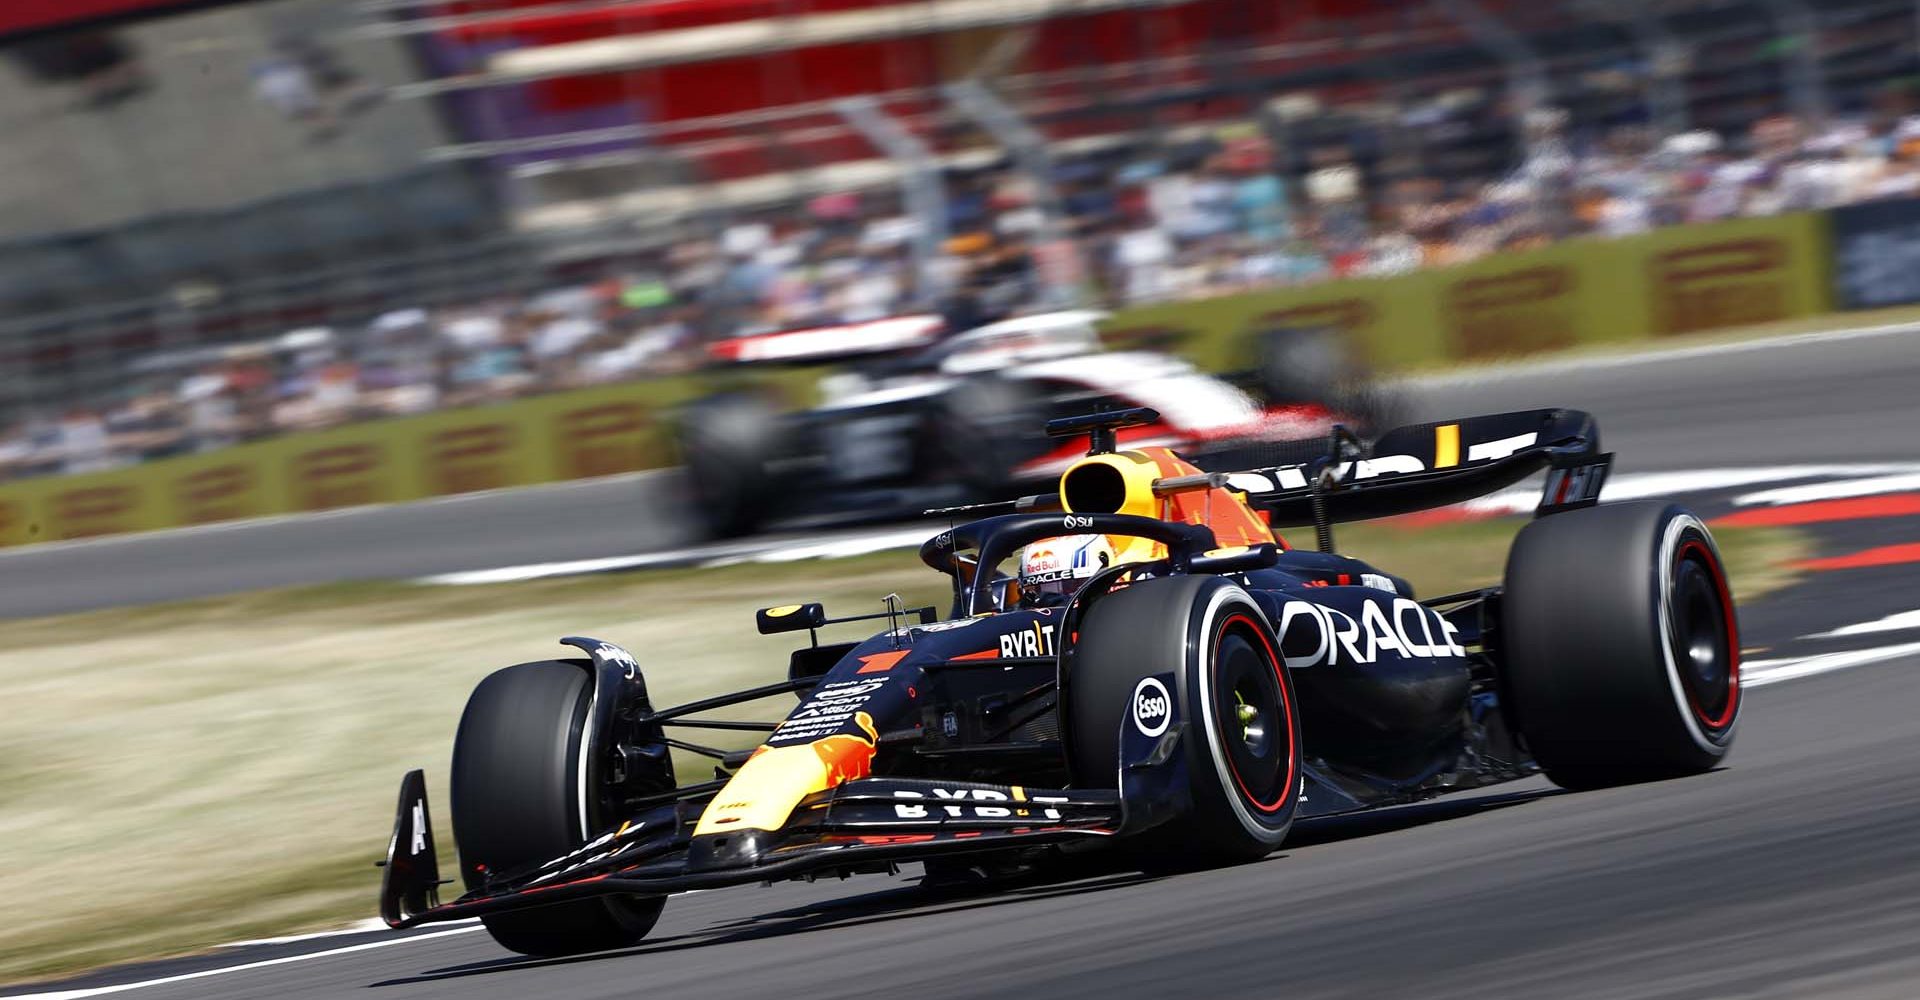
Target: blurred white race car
{"x": 954, "y": 422}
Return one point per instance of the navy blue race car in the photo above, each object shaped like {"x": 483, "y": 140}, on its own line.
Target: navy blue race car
{"x": 1134, "y": 664}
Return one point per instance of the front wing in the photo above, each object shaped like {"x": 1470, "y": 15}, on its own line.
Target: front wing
{"x": 864, "y": 824}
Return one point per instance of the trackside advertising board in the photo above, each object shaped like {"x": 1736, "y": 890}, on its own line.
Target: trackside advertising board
{"x": 1876, "y": 254}
{"x": 1583, "y": 291}
{"x": 574, "y": 435}
{"x": 1580, "y": 292}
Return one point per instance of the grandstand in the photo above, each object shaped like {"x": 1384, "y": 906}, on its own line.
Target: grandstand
{"x": 211, "y": 175}
{"x": 182, "y": 177}
{"x": 559, "y": 93}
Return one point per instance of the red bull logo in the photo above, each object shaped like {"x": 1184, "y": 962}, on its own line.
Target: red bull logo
{"x": 848, "y": 757}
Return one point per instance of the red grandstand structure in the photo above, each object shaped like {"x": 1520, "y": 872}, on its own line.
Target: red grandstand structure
{"x": 235, "y": 171}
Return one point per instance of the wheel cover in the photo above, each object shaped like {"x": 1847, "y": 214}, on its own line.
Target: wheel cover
{"x": 1701, "y": 637}
{"x": 1253, "y": 714}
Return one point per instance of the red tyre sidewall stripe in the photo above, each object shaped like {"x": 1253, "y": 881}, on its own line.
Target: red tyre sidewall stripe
{"x": 1286, "y": 706}
{"x": 1719, "y": 724}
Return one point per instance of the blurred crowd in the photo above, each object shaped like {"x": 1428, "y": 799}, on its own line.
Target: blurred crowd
{"x": 1212, "y": 214}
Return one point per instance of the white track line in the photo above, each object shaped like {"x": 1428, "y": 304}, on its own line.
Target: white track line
{"x": 272, "y": 520}
{"x": 1874, "y": 486}
{"x": 367, "y": 926}
{"x": 1759, "y": 673}
{"x": 1646, "y": 485}
{"x": 837, "y": 548}
{"x": 1458, "y": 376}
{"x": 1593, "y": 362}
{"x": 98, "y": 991}
{"x": 774, "y": 550}
{"x": 1897, "y": 622}
{"x": 540, "y": 571}
{"x": 1753, "y": 674}
{"x": 1629, "y": 486}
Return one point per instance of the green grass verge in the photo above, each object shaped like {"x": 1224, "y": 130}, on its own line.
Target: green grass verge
{"x": 183, "y": 775}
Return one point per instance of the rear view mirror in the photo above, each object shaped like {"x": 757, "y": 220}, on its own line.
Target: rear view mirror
{"x": 790, "y": 618}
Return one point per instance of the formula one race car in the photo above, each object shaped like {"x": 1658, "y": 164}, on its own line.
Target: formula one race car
{"x": 954, "y": 421}
{"x": 1178, "y": 707}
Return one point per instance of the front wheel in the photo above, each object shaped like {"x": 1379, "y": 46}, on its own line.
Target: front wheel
{"x": 1242, "y": 741}
{"x": 1620, "y": 652}
{"x": 517, "y": 786}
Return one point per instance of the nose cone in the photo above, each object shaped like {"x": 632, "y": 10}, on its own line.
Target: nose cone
{"x": 761, "y": 796}
{"x": 743, "y": 849}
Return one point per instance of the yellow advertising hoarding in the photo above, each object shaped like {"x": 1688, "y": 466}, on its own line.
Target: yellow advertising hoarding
{"x": 591, "y": 432}
{"x": 1733, "y": 273}
{"x": 1580, "y": 292}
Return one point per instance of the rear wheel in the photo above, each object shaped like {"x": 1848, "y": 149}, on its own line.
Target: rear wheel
{"x": 726, "y": 442}
{"x": 1620, "y": 649}
{"x": 517, "y": 787}
{"x": 983, "y": 430}
{"x": 1242, "y": 739}
{"x": 1318, "y": 365}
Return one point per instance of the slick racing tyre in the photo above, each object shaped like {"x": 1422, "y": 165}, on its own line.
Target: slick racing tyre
{"x": 726, "y": 442}
{"x": 1242, "y": 729}
{"x": 516, "y": 801}
{"x": 1619, "y": 650}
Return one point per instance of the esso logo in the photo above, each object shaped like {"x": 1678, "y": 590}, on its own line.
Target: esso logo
{"x": 1074, "y": 522}
{"x": 1152, "y": 707}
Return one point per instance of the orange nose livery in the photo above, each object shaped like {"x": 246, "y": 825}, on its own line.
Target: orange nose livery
{"x": 764, "y": 792}
{"x": 848, "y": 757}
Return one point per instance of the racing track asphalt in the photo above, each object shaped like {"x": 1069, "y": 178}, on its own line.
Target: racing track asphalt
{"x": 1794, "y": 871}
{"x": 1850, "y": 398}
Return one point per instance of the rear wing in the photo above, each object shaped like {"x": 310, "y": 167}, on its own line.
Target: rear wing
{"x": 1422, "y": 466}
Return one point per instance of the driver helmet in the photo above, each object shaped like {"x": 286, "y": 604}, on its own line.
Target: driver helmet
{"x": 1051, "y": 569}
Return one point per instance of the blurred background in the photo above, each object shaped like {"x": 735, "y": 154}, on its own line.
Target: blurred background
{"x": 228, "y": 221}
{"x": 402, "y": 307}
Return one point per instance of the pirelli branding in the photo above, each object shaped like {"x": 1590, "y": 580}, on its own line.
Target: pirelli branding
{"x": 1726, "y": 283}
{"x": 1530, "y": 309}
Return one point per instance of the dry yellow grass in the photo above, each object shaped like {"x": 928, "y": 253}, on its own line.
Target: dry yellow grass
{"x": 178, "y": 776}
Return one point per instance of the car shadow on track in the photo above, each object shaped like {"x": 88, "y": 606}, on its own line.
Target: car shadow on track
{"x": 1076, "y": 877}
{"x": 1352, "y": 826}
{"x": 851, "y": 911}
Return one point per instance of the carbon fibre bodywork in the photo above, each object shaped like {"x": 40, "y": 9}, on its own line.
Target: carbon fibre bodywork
{"x": 946, "y": 737}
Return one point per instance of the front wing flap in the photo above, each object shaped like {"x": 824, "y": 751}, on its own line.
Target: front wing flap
{"x": 864, "y": 822}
